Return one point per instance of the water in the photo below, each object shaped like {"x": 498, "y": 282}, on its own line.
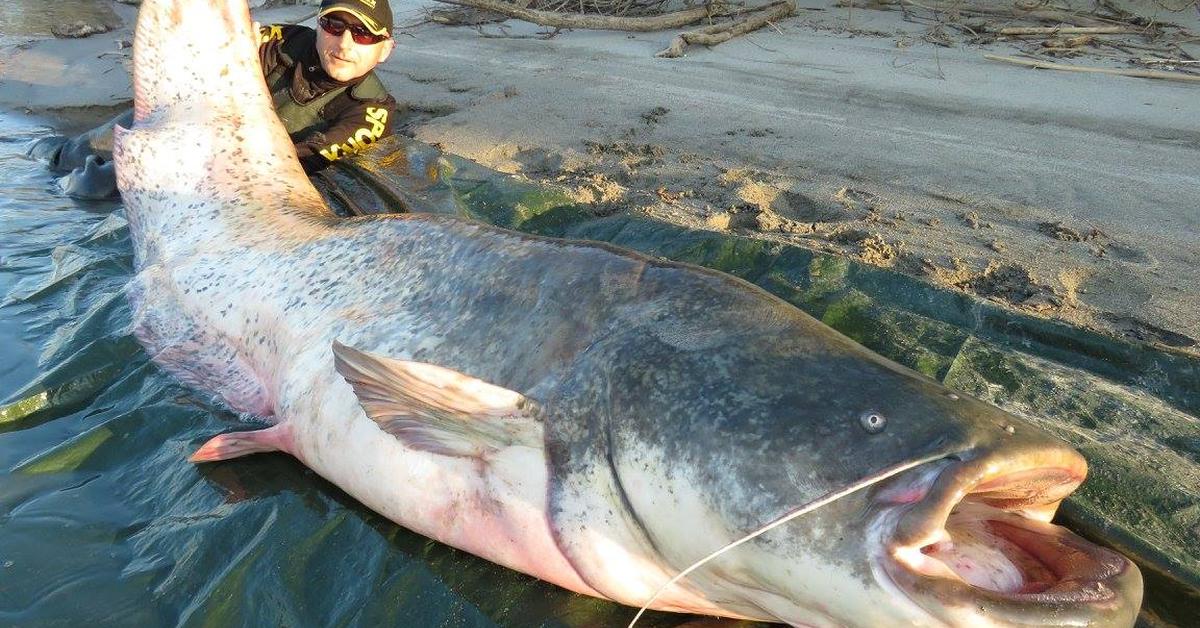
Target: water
{"x": 26, "y": 17}
{"x": 103, "y": 519}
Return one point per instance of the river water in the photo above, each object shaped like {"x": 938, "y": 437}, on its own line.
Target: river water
{"x": 23, "y": 17}
{"x": 103, "y": 520}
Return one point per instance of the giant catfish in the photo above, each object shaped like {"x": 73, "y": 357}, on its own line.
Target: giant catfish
{"x": 590, "y": 416}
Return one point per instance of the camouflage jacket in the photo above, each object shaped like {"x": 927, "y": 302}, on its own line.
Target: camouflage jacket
{"x": 326, "y": 119}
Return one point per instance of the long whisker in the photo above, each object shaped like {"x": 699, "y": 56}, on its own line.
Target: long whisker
{"x": 874, "y": 478}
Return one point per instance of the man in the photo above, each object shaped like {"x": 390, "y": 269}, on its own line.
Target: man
{"x": 322, "y": 83}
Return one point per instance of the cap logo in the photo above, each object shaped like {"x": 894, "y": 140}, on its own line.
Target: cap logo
{"x": 369, "y": 3}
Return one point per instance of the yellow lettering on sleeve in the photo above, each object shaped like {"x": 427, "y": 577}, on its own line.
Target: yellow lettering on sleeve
{"x": 333, "y": 153}
{"x": 361, "y": 138}
{"x": 274, "y": 32}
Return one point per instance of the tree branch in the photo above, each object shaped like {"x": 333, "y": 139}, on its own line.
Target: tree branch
{"x": 713, "y": 35}
{"x": 552, "y": 19}
{"x": 1049, "y": 65}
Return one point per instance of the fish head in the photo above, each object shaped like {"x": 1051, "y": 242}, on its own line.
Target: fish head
{"x": 969, "y": 538}
{"x": 914, "y": 504}
{"x": 899, "y": 501}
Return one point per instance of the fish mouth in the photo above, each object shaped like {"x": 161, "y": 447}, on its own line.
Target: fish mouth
{"x": 971, "y": 543}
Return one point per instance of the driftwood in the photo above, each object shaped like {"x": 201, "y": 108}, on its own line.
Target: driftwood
{"x": 1156, "y": 61}
{"x": 1050, "y": 65}
{"x": 675, "y": 19}
{"x": 1063, "y": 32}
{"x": 1069, "y": 30}
{"x": 1069, "y": 42}
{"x": 462, "y": 16}
{"x": 1044, "y": 15}
{"x": 626, "y": 8}
{"x": 709, "y": 36}
{"x": 718, "y": 33}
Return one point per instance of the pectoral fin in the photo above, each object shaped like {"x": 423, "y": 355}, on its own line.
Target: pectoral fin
{"x": 436, "y": 409}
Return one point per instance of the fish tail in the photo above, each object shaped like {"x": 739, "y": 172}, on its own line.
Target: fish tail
{"x": 213, "y": 40}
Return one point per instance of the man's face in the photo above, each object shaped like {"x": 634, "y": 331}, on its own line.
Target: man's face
{"x": 342, "y": 57}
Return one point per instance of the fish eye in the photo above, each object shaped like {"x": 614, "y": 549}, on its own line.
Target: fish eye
{"x": 873, "y": 422}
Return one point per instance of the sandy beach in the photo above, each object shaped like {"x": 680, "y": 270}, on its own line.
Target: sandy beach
{"x": 881, "y": 134}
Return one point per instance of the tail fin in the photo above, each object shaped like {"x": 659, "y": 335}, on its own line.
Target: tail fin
{"x": 194, "y": 52}
{"x": 205, "y": 133}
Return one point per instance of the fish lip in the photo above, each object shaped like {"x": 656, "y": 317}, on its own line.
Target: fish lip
{"x": 1030, "y": 479}
{"x": 1015, "y": 495}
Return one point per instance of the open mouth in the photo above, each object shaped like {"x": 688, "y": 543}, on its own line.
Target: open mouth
{"x": 978, "y": 547}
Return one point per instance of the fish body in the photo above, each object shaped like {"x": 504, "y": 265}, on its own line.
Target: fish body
{"x": 587, "y": 415}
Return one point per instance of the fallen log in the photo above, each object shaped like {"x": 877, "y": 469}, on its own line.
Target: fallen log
{"x": 1044, "y": 15}
{"x": 675, "y": 19}
{"x": 708, "y": 36}
{"x": 1069, "y": 30}
{"x": 718, "y": 33}
{"x": 1050, "y": 65}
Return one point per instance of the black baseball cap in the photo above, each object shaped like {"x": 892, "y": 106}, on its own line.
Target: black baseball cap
{"x": 376, "y": 15}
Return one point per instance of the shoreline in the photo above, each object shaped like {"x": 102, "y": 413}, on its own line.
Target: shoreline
{"x": 1066, "y": 196}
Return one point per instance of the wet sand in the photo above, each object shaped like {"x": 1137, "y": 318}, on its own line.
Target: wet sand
{"x": 1068, "y": 195}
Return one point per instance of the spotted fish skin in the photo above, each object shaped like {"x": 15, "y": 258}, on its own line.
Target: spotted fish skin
{"x": 584, "y": 414}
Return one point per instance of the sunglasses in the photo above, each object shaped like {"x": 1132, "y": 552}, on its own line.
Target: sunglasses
{"x": 358, "y": 32}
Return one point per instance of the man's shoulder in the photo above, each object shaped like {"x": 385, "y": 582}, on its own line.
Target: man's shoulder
{"x": 292, "y": 39}
{"x": 370, "y": 89}
{"x": 298, "y": 40}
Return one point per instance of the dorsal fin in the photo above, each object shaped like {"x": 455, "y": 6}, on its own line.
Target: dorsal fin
{"x": 437, "y": 409}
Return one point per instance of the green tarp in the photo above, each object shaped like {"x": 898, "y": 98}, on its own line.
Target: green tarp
{"x": 104, "y": 521}
{"x": 1131, "y": 409}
